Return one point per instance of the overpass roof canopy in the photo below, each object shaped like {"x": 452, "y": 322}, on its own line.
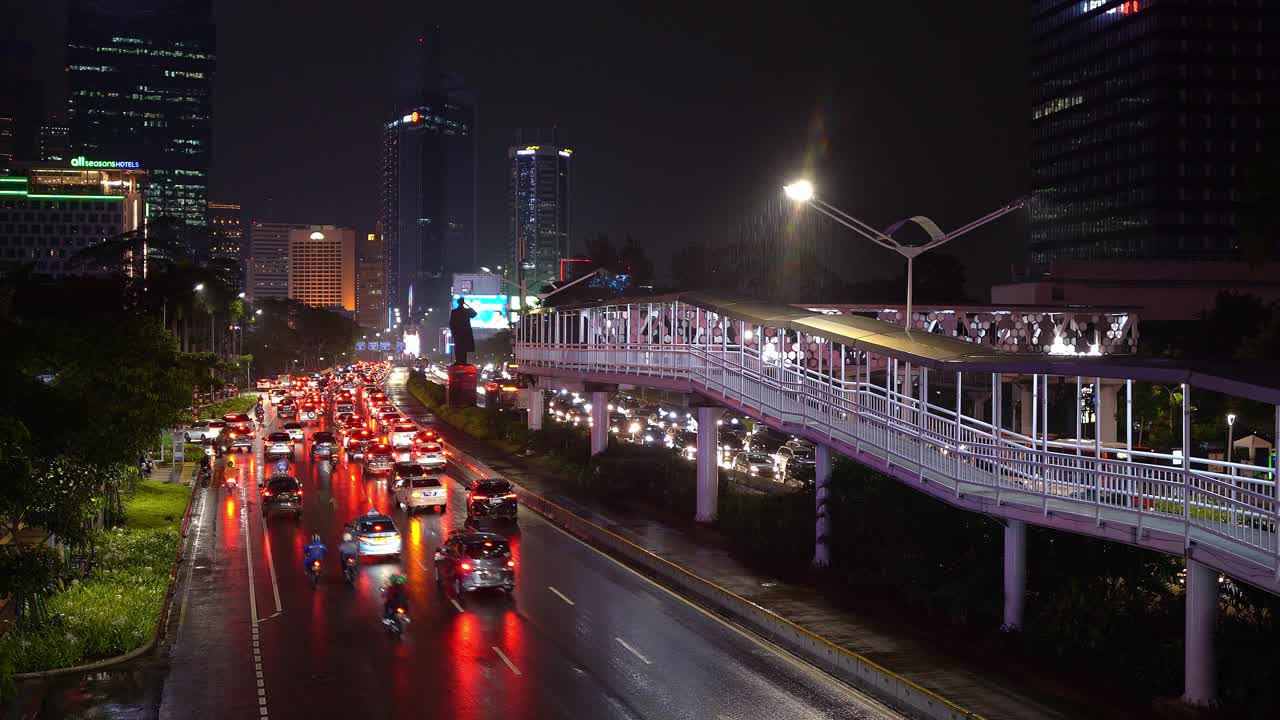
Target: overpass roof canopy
{"x": 939, "y": 352}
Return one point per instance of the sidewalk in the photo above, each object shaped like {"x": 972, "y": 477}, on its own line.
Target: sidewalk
{"x": 26, "y": 536}
{"x": 989, "y": 696}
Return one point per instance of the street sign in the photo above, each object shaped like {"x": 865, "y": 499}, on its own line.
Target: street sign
{"x": 399, "y": 347}
{"x": 359, "y": 345}
{"x": 385, "y": 345}
{"x": 179, "y": 445}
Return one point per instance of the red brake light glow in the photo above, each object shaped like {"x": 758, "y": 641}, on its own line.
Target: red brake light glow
{"x": 478, "y": 496}
{"x": 464, "y": 567}
{"x": 511, "y": 563}
{"x": 377, "y": 528}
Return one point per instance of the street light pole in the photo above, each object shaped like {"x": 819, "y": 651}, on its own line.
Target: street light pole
{"x": 802, "y": 192}
{"x": 1231, "y": 430}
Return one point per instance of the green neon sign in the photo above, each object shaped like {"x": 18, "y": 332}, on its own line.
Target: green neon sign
{"x": 81, "y": 162}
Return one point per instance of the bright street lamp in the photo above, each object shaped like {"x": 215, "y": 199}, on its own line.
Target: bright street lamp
{"x": 258, "y": 311}
{"x": 802, "y": 192}
{"x": 241, "y": 296}
{"x": 199, "y": 287}
{"x": 1231, "y": 430}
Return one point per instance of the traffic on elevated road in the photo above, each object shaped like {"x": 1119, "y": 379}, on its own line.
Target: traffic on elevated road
{"x": 347, "y": 561}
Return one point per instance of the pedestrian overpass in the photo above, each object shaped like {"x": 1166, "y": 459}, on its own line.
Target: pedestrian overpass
{"x": 930, "y": 411}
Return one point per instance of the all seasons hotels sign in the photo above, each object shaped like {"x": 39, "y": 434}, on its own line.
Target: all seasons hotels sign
{"x": 81, "y": 162}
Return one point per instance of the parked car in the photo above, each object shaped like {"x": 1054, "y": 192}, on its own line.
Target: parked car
{"x": 475, "y": 560}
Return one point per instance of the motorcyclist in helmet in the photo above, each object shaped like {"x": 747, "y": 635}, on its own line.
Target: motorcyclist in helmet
{"x": 314, "y": 550}
{"x": 229, "y": 468}
{"x": 348, "y": 550}
{"x": 394, "y": 596}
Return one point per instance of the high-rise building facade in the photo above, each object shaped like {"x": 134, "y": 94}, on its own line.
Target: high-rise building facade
{"x": 1146, "y": 116}
{"x": 49, "y": 213}
{"x": 226, "y": 235}
{"x": 54, "y": 139}
{"x": 371, "y": 283}
{"x": 427, "y": 191}
{"x": 140, "y": 77}
{"x": 539, "y": 205}
{"x": 322, "y": 267}
{"x": 267, "y": 265}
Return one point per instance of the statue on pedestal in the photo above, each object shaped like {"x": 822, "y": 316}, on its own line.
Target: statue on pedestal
{"x": 460, "y": 327}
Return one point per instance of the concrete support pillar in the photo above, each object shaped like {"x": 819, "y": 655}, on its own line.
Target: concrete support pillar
{"x": 534, "y": 402}
{"x": 600, "y": 421}
{"x": 1108, "y": 403}
{"x": 708, "y": 463}
{"x": 1026, "y": 401}
{"x": 1015, "y": 573}
{"x": 1200, "y": 671}
{"x": 822, "y": 525}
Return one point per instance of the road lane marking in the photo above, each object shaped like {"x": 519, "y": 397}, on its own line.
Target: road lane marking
{"x": 560, "y": 595}
{"x": 507, "y": 660}
{"x": 634, "y": 651}
{"x": 271, "y": 565}
{"x": 248, "y": 557}
{"x": 455, "y": 604}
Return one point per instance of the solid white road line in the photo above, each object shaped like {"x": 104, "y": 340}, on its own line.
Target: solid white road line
{"x": 455, "y": 604}
{"x": 248, "y": 556}
{"x": 560, "y": 595}
{"x": 507, "y": 660}
{"x": 634, "y": 651}
{"x": 271, "y": 565}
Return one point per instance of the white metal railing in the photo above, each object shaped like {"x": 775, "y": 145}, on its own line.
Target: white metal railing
{"x": 943, "y": 446}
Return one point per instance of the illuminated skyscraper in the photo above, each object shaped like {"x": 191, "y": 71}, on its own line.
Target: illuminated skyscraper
{"x": 427, "y": 193}
{"x": 226, "y": 234}
{"x": 1146, "y": 117}
{"x": 322, "y": 267}
{"x": 371, "y": 283}
{"x": 140, "y": 76}
{"x": 267, "y": 267}
{"x": 539, "y": 204}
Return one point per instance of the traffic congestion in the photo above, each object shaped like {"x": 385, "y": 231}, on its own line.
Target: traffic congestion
{"x": 362, "y": 564}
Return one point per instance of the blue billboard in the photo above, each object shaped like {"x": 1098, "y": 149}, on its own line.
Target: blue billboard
{"x": 490, "y": 310}
{"x": 385, "y": 345}
{"x": 359, "y": 345}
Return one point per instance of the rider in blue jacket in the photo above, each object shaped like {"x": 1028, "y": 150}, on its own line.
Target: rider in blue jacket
{"x": 314, "y": 550}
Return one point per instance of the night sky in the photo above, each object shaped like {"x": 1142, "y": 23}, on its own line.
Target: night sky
{"x": 684, "y": 122}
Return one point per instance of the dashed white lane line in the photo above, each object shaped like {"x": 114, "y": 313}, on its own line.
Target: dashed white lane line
{"x": 507, "y": 660}
{"x": 634, "y": 651}
{"x": 560, "y": 595}
{"x": 455, "y": 604}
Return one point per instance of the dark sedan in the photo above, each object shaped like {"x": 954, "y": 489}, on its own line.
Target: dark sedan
{"x": 491, "y": 498}
{"x": 475, "y": 560}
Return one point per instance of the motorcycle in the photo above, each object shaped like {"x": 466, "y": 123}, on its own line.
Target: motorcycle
{"x": 205, "y": 476}
{"x": 349, "y": 570}
{"x": 230, "y": 482}
{"x": 313, "y": 571}
{"x": 398, "y": 620}
{"x": 144, "y": 465}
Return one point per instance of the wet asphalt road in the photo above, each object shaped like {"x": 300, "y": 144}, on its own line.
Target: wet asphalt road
{"x": 581, "y": 636}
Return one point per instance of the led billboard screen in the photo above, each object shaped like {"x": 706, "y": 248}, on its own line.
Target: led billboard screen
{"x": 490, "y": 311}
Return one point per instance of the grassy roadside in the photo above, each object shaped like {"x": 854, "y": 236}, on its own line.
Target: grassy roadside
{"x": 114, "y": 608}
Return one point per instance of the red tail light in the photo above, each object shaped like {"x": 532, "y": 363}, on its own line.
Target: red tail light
{"x": 511, "y": 563}
{"x": 266, "y": 493}
{"x": 400, "y": 610}
{"x": 509, "y": 496}
{"x": 298, "y": 493}
{"x": 315, "y": 563}
{"x": 478, "y": 496}
{"x": 465, "y": 567}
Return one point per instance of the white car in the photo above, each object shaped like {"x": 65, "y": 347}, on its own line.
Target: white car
{"x": 205, "y": 431}
{"x": 415, "y": 493}
{"x": 296, "y": 433}
{"x": 402, "y": 434}
{"x": 278, "y": 445}
{"x": 430, "y": 455}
